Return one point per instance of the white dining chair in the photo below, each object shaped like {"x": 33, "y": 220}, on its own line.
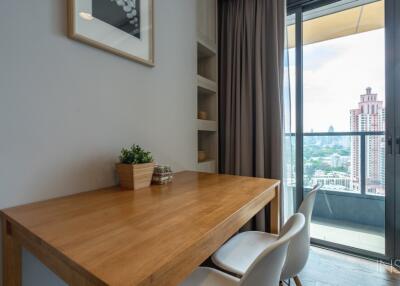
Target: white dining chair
{"x": 266, "y": 268}
{"x": 238, "y": 253}
{"x": 299, "y": 247}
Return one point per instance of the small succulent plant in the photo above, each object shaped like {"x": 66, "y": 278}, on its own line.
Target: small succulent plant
{"x": 135, "y": 155}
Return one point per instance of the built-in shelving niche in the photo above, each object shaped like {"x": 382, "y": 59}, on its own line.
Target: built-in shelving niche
{"x": 207, "y": 64}
{"x": 207, "y": 141}
{"x": 207, "y": 84}
{"x": 207, "y": 102}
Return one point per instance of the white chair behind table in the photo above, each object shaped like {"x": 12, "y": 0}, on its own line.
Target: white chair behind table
{"x": 239, "y": 252}
{"x": 265, "y": 270}
{"x": 299, "y": 247}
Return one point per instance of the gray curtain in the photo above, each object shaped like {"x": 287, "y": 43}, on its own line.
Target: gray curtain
{"x": 251, "y": 58}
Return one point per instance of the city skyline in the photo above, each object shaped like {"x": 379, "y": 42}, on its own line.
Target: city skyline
{"x": 334, "y": 161}
{"x": 338, "y": 74}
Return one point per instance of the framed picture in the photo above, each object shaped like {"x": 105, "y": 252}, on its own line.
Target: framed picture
{"x": 123, "y": 27}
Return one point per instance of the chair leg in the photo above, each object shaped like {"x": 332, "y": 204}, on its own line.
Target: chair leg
{"x": 297, "y": 281}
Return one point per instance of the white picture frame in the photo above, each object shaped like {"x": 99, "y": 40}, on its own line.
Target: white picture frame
{"x": 122, "y": 27}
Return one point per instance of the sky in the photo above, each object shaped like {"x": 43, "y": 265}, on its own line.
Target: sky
{"x": 336, "y": 73}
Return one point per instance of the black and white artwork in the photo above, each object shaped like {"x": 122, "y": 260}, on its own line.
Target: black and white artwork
{"x": 122, "y": 14}
{"x": 122, "y": 27}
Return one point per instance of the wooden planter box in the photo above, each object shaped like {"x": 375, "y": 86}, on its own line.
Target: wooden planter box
{"x": 133, "y": 177}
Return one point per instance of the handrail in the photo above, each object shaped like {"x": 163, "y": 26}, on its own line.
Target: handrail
{"x": 363, "y": 135}
{"x": 355, "y": 133}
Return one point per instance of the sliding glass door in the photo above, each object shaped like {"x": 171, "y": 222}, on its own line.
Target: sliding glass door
{"x": 344, "y": 129}
{"x": 344, "y": 123}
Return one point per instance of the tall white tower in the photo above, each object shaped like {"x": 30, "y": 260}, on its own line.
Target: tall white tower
{"x": 369, "y": 116}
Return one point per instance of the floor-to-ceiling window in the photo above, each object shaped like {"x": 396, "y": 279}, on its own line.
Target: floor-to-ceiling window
{"x": 344, "y": 123}
{"x": 341, "y": 122}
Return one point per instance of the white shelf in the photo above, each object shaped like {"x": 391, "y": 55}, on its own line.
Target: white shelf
{"x": 207, "y": 125}
{"x": 208, "y": 166}
{"x": 205, "y": 50}
{"x": 205, "y": 85}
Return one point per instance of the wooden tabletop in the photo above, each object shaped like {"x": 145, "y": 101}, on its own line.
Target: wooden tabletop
{"x": 152, "y": 236}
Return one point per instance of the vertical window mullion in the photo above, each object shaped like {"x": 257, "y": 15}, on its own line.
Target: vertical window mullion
{"x": 299, "y": 108}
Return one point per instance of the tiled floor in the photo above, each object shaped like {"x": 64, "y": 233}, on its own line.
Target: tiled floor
{"x": 350, "y": 234}
{"x": 328, "y": 268}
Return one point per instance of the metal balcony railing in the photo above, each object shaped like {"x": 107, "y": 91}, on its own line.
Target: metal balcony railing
{"x": 362, "y": 136}
{"x": 355, "y": 207}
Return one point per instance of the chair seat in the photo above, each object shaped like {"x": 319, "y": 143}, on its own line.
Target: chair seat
{"x": 242, "y": 250}
{"x": 204, "y": 276}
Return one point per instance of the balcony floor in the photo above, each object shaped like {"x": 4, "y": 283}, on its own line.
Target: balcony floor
{"x": 350, "y": 234}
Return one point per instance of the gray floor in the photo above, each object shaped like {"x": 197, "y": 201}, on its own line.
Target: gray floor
{"x": 328, "y": 268}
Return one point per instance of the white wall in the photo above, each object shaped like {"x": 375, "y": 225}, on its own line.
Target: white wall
{"x": 66, "y": 109}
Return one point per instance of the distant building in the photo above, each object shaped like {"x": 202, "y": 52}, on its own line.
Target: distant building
{"x": 336, "y": 161}
{"x": 369, "y": 116}
{"x": 333, "y": 181}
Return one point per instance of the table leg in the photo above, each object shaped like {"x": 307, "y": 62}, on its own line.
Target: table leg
{"x": 275, "y": 210}
{"x": 11, "y": 257}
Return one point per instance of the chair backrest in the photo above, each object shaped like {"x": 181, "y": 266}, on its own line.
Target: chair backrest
{"x": 299, "y": 246}
{"x": 266, "y": 269}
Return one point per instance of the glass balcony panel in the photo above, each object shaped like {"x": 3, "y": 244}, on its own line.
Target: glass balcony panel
{"x": 332, "y": 162}
{"x": 346, "y": 212}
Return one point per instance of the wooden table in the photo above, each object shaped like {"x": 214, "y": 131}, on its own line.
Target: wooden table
{"x": 153, "y": 236}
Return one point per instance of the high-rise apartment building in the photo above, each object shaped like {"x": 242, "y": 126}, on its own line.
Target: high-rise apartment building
{"x": 369, "y": 116}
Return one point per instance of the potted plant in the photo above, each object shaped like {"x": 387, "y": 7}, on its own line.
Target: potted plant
{"x": 135, "y": 169}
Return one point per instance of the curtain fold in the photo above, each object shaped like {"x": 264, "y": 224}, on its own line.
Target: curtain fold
{"x": 251, "y": 89}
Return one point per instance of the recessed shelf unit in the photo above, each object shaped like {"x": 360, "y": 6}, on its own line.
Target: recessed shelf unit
{"x": 207, "y": 125}
{"x": 206, "y": 166}
{"x": 207, "y": 84}
{"x": 205, "y": 50}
